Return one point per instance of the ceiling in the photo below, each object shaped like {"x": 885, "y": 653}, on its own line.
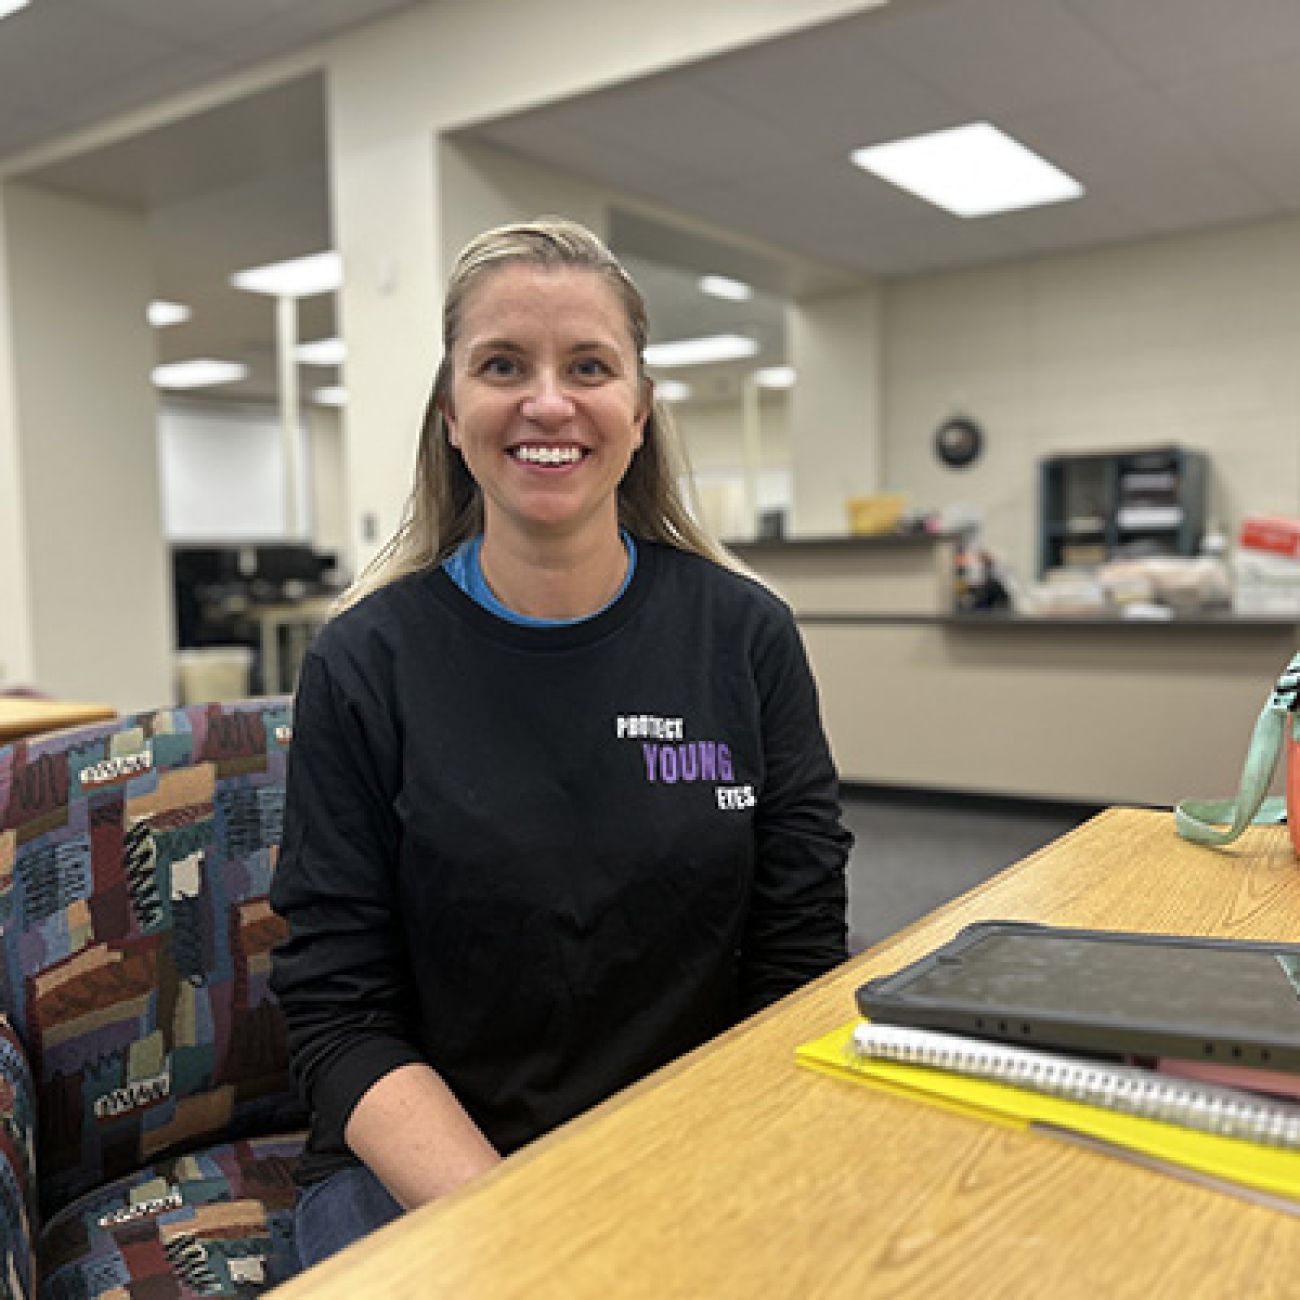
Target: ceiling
{"x": 71, "y": 63}
{"x": 1176, "y": 115}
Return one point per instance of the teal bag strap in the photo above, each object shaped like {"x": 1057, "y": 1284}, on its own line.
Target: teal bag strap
{"x": 1220, "y": 821}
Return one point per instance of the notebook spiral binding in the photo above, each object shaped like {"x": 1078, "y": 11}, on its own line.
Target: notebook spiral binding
{"x": 1129, "y": 1090}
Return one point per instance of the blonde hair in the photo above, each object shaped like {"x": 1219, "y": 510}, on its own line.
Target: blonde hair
{"x": 445, "y": 507}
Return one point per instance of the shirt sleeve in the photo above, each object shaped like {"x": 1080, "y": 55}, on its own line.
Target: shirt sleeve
{"x": 341, "y": 976}
{"x": 795, "y": 928}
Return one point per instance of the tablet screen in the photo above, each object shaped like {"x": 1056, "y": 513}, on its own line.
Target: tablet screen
{"x": 1198, "y": 988}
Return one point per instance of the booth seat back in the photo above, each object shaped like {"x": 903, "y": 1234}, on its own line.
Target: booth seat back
{"x": 17, "y": 1168}
{"x": 135, "y": 936}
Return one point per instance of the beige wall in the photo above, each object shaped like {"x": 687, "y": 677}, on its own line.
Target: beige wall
{"x": 714, "y": 433}
{"x": 15, "y": 625}
{"x": 98, "y": 608}
{"x": 1194, "y": 339}
{"x": 329, "y": 515}
{"x": 835, "y": 347}
{"x": 483, "y": 187}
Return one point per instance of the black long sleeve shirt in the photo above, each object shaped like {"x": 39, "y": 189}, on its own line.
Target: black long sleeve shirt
{"x": 546, "y": 861}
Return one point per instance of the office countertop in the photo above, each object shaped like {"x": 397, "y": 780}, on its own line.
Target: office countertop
{"x": 21, "y": 716}
{"x": 839, "y": 541}
{"x": 998, "y": 619}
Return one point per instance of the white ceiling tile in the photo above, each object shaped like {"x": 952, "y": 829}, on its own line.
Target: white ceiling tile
{"x": 1138, "y": 152}
{"x": 205, "y": 153}
{"x": 681, "y": 124}
{"x": 828, "y": 87}
{"x": 75, "y": 52}
{"x": 561, "y": 137}
{"x": 1252, "y": 120}
{"x": 21, "y": 124}
{"x": 1062, "y": 227}
{"x": 224, "y": 24}
{"x": 1171, "y": 39}
{"x": 191, "y": 22}
{"x": 1000, "y": 56}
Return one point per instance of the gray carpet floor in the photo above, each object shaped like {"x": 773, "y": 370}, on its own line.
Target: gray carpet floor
{"x": 914, "y": 851}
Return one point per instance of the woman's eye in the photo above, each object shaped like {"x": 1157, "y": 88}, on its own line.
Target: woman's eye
{"x": 499, "y": 367}
{"x": 590, "y": 368}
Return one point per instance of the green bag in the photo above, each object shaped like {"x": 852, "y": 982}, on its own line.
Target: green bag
{"x": 1220, "y": 821}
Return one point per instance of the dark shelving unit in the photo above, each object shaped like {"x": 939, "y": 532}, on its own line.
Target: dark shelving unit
{"x": 1104, "y": 505}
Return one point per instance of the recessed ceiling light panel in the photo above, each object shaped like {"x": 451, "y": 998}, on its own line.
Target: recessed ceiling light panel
{"x": 299, "y": 277}
{"x": 672, "y": 390}
{"x": 701, "y": 351}
{"x": 321, "y": 352}
{"x": 8, "y": 7}
{"x": 775, "y": 377}
{"x": 721, "y": 286}
{"x": 972, "y": 171}
{"x": 160, "y": 314}
{"x": 333, "y": 395}
{"x": 202, "y": 372}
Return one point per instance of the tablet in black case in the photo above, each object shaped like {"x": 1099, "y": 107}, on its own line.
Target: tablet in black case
{"x": 1110, "y": 993}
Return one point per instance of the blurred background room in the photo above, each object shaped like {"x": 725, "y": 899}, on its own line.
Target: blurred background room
{"x": 1026, "y": 463}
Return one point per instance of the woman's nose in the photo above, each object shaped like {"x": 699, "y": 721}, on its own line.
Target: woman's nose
{"x": 547, "y": 402}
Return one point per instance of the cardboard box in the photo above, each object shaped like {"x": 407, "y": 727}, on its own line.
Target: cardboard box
{"x": 1266, "y": 584}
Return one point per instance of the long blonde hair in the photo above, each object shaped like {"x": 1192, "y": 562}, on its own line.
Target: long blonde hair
{"x": 445, "y": 507}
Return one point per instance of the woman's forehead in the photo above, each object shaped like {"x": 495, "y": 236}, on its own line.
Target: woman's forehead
{"x": 521, "y": 295}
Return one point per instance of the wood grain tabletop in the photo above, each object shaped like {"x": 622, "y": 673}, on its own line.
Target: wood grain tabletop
{"x": 733, "y": 1172}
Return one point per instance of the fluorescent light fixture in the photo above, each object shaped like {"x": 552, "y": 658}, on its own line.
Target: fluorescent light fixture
{"x": 719, "y": 286}
{"x": 699, "y": 352}
{"x": 973, "y": 171}
{"x": 8, "y": 7}
{"x": 321, "y": 352}
{"x": 775, "y": 377}
{"x": 333, "y": 395}
{"x": 300, "y": 277}
{"x": 160, "y": 314}
{"x": 202, "y": 372}
{"x": 672, "y": 390}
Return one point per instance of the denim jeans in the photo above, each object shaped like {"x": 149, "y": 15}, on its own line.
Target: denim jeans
{"x": 339, "y": 1210}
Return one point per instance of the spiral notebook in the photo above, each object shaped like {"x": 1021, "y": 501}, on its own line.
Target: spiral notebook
{"x": 1218, "y": 1132}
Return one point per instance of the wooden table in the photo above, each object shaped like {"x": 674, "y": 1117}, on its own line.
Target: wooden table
{"x": 734, "y": 1173}
{"x": 21, "y": 717}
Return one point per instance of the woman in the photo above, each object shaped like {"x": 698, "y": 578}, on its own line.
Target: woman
{"x": 560, "y": 807}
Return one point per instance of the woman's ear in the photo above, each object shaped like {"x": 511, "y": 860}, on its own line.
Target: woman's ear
{"x": 643, "y": 410}
{"x": 449, "y": 421}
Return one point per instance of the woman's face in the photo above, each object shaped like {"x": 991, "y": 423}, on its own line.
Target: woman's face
{"x": 546, "y": 405}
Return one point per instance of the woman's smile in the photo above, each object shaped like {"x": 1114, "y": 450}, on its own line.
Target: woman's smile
{"x": 547, "y": 455}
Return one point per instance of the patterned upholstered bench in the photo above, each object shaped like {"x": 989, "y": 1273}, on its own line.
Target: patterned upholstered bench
{"x": 148, "y": 1131}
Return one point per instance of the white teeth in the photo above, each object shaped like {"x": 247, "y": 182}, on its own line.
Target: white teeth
{"x": 548, "y": 455}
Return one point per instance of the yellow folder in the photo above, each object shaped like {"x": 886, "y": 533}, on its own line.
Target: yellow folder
{"x": 1264, "y": 1168}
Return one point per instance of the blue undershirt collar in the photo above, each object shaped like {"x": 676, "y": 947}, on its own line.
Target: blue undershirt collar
{"x": 464, "y": 567}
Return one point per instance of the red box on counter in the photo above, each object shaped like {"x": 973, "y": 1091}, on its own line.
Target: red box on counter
{"x": 1276, "y": 533}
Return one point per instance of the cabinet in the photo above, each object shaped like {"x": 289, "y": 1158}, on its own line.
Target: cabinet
{"x": 1105, "y": 505}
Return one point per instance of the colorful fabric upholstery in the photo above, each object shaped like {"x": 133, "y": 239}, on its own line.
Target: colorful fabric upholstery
{"x": 17, "y": 1168}
{"x": 219, "y": 1223}
{"x": 135, "y": 940}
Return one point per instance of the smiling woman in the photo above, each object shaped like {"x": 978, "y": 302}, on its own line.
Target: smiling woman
{"x": 559, "y": 807}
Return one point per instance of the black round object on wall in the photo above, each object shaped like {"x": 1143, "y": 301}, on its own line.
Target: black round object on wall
{"x": 958, "y": 442}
